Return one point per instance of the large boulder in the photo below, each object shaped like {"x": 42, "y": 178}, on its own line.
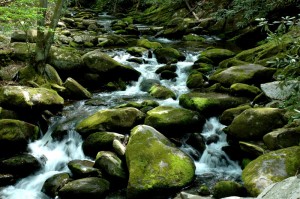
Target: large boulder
{"x": 270, "y": 168}
{"x": 228, "y": 115}
{"x": 254, "y": 123}
{"x": 148, "y": 44}
{"x": 122, "y": 119}
{"x": 288, "y": 188}
{"x": 52, "y": 185}
{"x": 15, "y": 135}
{"x": 282, "y": 138}
{"x": 168, "y": 55}
{"x": 16, "y": 97}
{"x": 107, "y": 69}
{"x": 156, "y": 167}
{"x": 217, "y": 54}
{"x": 161, "y": 92}
{"x": 67, "y": 59}
{"x": 100, "y": 141}
{"x": 209, "y": 104}
{"x": 171, "y": 121}
{"x": 20, "y": 165}
{"x": 248, "y": 74}
{"x": 195, "y": 80}
{"x": 92, "y": 188}
{"x": 245, "y": 90}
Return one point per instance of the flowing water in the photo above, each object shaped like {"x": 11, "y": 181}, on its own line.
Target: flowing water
{"x": 55, "y": 155}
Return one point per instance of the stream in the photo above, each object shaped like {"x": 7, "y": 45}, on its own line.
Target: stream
{"x": 55, "y": 155}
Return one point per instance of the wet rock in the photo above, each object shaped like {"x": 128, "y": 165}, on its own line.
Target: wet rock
{"x": 74, "y": 90}
{"x": 122, "y": 120}
{"x": 111, "y": 40}
{"x": 203, "y": 67}
{"x": 270, "y": 168}
{"x": 22, "y": 97}
{"x": 83, "y": 169}
{"x": 288, "y": 188}
{"x": 228, "y": 115}
{"x": 282, "y": 138}
{"x": 106, "y": 68}
{"x": 53, "y": 184}
{"x": 20, "y": 165}
{"x": 100, "y": 141}
{"x": 247, "y": 74}
{"x": 217, "y": 54}
{"x": 196, "y": 140}
{"x": 244, "y": 90}
{"x": 161, "y": 92}
{"x": 137, "y": 51}
{"x": 148, "y": 44}
{"x": 195, "y": 80}
{"x": 171, "y": 68}
{"x": 6, "y": 179}
{"x": 212, "y": 139}
{"x": 224, "y": 189}
{"x": 92, "y": 188}
{"x": 171, "y": 121}
{"x": 254, "y": 123}
{"x": 166, "y": 74}
{"x": 209, "y": 104}
{"x": 156, "y": 167}
{"x": 8, "y": 114}
{"x": 168, "y": 55}
{"x": 193, "y": 37}
{"x": 113, "y": 168}
{"x": 15, "y": 135}
{"x": 146, "y": 84}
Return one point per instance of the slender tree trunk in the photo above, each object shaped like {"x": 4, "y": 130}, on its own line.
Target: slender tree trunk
{"x": 191, "y": 10}
{"x": 45, "y": 39}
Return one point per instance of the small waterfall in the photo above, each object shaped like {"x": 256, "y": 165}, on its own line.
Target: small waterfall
{"x": 54, "y": 156}
{"x": 214, "y": 159}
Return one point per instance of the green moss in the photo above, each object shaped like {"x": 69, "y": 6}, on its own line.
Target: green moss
{"x": 193, "y": 37}
{"x": 227, "y": 188}
{"x": 147, "y": 44}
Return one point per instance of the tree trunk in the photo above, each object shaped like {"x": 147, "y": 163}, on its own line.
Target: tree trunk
{"x": 45, "y": 39}
{"x": 191, "y": 10}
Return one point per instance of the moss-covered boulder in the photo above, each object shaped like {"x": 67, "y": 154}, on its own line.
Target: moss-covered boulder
{"x": 15, "y": 135}
{"x": 113, "y": 168}
{"x": 282, "y": 138}
{"x": 107, "y": 69}
{"x": 146, "y": 84}
{"x": 122, "y": 120}
{"x": 22, "y": 51}
{"x": 202, "y": 67}
{"x": 228, "y": 115}
{"x": 254, "y": 123}
{"x": 228, "y": 188}
{"x": 148, "y": 44}
{"x": 209, "y": 104}
{"x": 193, "y": 37}
{"x": 171, "y": 121}
{"x": 74, "y": 90}
{"x": 83, "y": 169}
{"x": 195, "y": 80}
{"x": 248, "y": 74}
{"x": 52, "y": 185}
{"x": 156, "y": 167}
{"x": 20, "y": 165}
{"x": 92, "y": 188}
{"x": 8, "y": 114}
{"x": 217, "y": 54}
{"x": 137, "y": 51}
{"x": 16, "y": 97}
{"x": 100, "y": 141}
{"x": 168, "y": 55}
{"x": 161, "y": 92}
{"x": 245, "y": 90}
{"x": 65, "y": 60}
{"x": 111, "y": 40}
{"x": 270, "y": 168}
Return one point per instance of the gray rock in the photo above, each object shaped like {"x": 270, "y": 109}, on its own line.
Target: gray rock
{"x": 278, "y": 90}
{"x": 288, "y": 188}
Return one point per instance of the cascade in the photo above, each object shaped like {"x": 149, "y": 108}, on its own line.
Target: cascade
{"x": 55, "y": 155}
